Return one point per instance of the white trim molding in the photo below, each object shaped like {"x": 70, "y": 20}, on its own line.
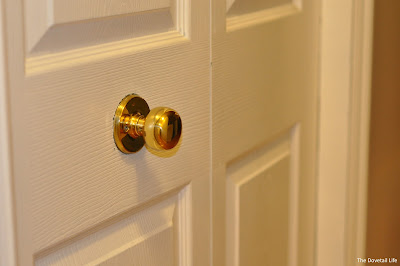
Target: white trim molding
{"x": 7, "y": 236}
{"x": 345, "y": 66}
{"x": 357, "y": 190}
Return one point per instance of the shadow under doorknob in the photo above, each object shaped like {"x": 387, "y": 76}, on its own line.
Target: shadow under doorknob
{"x": 135, "y": 125}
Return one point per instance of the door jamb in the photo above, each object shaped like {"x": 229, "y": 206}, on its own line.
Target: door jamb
{"x": 342, "y": 174}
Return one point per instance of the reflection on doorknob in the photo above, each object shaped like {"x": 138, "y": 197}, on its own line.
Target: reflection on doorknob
{"x": 135, "y": 125}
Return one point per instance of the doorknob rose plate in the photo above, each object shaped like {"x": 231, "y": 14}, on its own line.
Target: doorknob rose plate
{"x": 135, "y": 125}
{"x": 131, "y": 104}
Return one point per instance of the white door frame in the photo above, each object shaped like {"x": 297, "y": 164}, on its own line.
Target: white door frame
{"x": 345, "y": 72}
{"x": 345, "y": 78}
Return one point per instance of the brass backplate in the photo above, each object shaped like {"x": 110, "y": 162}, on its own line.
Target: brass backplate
{"x": 131, "y": 105}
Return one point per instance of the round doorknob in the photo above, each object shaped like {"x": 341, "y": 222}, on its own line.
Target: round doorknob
{"x": 135, "y": 125}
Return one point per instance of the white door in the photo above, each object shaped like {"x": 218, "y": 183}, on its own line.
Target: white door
{"x": 265, "y": 85}
{"x": 239, "y": 185}
{"x": 79, "y": 200}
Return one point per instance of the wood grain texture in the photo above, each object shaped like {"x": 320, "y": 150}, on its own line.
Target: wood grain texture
{"x": 69, "y": 176}
{"x": 108, "y": 179}
{"x": 265, "y": 81}
{"x": 38, "y": 64}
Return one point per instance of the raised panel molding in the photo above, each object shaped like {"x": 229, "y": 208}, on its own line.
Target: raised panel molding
{"x": 262, "y": 209}
{"x": 75, "y": 10}
{"x": 239, "y": 7}
{"x": 158, "y": 235}
{"x": 60, "y": 25}
{"x": 243, "y": 13}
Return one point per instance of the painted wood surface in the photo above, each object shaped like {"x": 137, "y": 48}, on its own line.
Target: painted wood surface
{"x": 75, "y": 10}
{"x": 58, "y": 25}
{"x": 343, "y": 130}
{"x": 70, "y": 179}
{"x": 265, "y": 85}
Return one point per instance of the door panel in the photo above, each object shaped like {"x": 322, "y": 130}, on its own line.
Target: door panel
{"x": 74, "y": 190}
{"x": 59, "y": 25}
{"x": 241, "y": 7}
{"x": 148, "y": 237}
{"x": 261, "y": 204}
{"x": 265, "y": 84}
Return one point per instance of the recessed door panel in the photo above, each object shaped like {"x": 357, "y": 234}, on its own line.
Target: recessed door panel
{"x": 237, "y": 7}
{"x": 155, "y": 235}
{"x": 58, "y": 25}
{"x": 241, "y": 14}
{"x": 262, "y": 190}
{"x": 75, "y": 10}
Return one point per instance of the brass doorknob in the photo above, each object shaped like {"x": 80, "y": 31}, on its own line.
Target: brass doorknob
{"x": 135, "y": 125}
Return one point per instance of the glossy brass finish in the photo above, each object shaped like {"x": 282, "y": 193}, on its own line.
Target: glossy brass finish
{"x": 125, "y": 136}
{"x": 165, "y": 126}
{"x": 135, "y": 125}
